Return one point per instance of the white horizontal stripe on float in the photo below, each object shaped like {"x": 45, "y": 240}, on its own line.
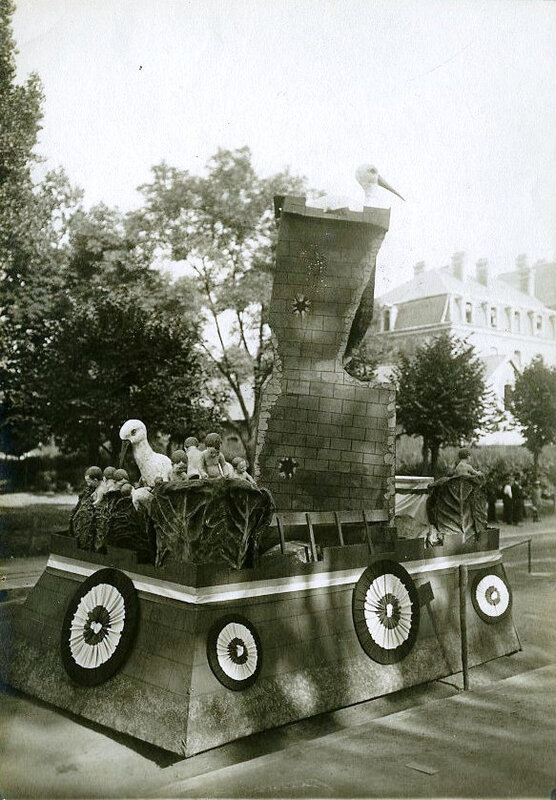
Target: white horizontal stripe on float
{"x": 248, "y": 589}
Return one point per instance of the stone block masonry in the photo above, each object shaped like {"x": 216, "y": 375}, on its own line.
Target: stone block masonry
{"x": 325, "y": 440}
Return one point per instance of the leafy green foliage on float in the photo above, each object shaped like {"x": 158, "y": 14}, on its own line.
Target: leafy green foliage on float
{"x": 533, "y": 405}
{"x": 442, "y": 395}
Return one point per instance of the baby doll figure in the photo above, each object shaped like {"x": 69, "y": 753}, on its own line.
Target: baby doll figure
{"x": 195, "y": 468}
{"x": 121, "y": 477}
{"x": 179, "y": 466}
{"x": 93, "y": 477}
{"x": 214, "y": 463}
{"x": 240, "y": 470}
{"x": 108, "y": 484}
{"x": 464, "y": 466}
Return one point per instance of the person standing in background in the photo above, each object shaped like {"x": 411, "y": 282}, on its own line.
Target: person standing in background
{"x": 536, "y": 499}
{"x": 508, "y": 501}
{"x": 517, "y": 500}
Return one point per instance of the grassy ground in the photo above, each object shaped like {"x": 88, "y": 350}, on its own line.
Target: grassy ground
{"x": 25, "y": 531}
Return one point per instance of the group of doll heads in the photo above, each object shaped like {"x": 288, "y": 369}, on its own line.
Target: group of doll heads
{"x": 205, "y": 460}
{"x": 196, "y": 461}
{"x": 99, "y": 482}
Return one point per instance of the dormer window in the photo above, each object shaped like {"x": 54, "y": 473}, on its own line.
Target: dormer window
{"x": 493, "y": 317}
{"x": 539, "y": 324}
{"x": 517, "y": 322}
{"x": 469, "y": 313}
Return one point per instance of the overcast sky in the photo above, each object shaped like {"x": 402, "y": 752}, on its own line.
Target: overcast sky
{"x": 453, "y": 101}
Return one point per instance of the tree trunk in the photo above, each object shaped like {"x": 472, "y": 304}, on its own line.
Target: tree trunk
{"x": 536, "y": 455}
{"x": 250, "y": 447}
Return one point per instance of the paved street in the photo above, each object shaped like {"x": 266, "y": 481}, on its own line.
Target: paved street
{"x": 497, "y": 740}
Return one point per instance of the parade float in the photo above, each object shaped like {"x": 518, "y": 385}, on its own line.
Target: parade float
{"x": 201, "y": 605}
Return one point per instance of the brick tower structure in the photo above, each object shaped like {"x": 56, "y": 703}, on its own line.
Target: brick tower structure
{"x": 325, "y": 440}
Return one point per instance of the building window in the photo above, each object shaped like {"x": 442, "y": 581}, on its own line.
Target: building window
{"x": 493, "y": 317}
{"x": 517, "y": 322}
{"x": 517, "y": 358}
{"x": 508, "y": 391}
{"x": 386, "y": 319}
{"x": 539, "y": 324}
{"x": 530, "y": 325}
{"x": 508, "y": 320}
{"x": 469, "y": 313}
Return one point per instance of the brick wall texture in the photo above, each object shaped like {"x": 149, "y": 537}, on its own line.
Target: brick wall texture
{"x": 325, "y": 440}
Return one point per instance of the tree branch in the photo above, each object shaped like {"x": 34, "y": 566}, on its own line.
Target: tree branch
{"x": 234, "y": 385}
{"x": 242, "y": 333}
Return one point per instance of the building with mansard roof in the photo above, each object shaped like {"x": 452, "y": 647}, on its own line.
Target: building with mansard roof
{"x": 539, "y": 280}
{"x": 502, "y": 318}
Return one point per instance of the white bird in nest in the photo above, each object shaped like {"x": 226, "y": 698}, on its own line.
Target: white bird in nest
{"x": 372, "y": 184}
{"x": 151, "y": 465}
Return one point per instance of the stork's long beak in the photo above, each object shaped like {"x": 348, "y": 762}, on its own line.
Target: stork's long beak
{"x": 123, "y": 451}
{"x": 385, "y": 185}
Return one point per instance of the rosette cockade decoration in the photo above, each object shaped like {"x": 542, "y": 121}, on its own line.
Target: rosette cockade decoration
{"x": 208, "y": 521}
{"x": 99, "y": 627}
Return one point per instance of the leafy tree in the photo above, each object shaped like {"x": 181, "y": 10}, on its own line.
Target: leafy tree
{"x": 533, "y": 404}
{"x": 20, "y": 242}
{"x": 20, "y": 117}
{"x": 221, "y": 225}
{"x": 76, "y": 283}
{"x": 114, "y": 340}
{"x": 442, "y": 395}
{"x": 96, "y": 363}
{"x": 365, "y": 359}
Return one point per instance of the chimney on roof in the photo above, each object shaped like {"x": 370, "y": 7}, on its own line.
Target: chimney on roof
{"x": 419, "y": 268}
{"x": 526, "y": 275}
{"x": 458, "y": 266}
{"x": 482, "y": 271}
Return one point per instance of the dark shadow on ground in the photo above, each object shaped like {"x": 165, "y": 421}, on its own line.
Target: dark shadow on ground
{"x": 162, "y": 758}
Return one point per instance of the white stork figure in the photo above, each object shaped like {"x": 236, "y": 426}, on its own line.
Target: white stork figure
{"x": 368, "y": 178}
{"x": 151, "y": 465}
